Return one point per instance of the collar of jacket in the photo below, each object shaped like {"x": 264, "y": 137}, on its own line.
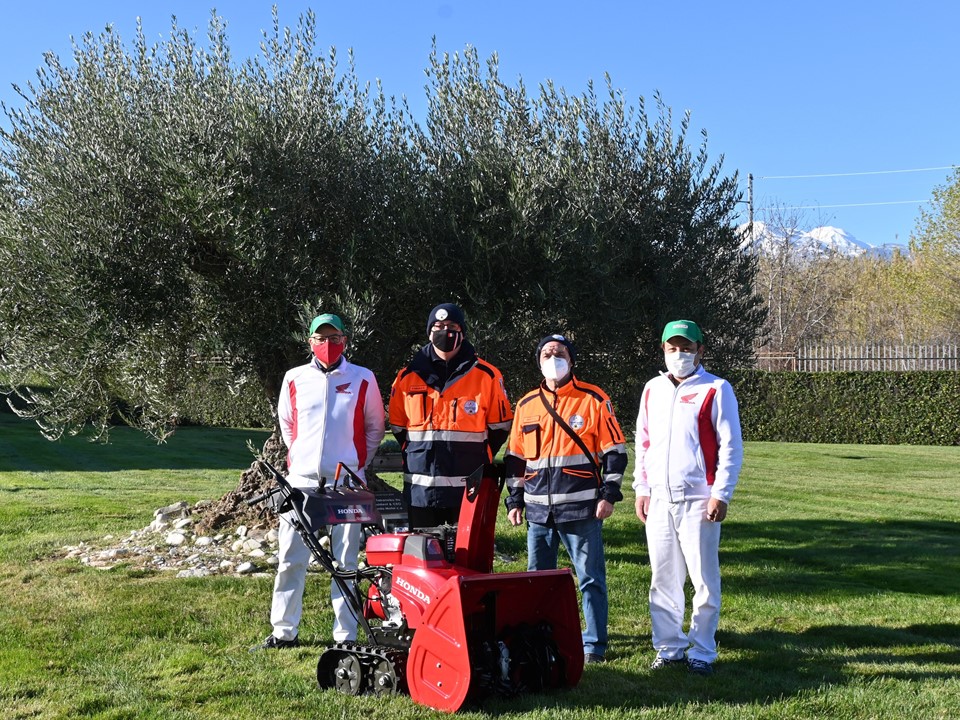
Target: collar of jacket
{"x": 339, "y": 364}
{"x": 561, "y": 390}
{"x": 696, "y": 373}
{"x": 422, "y": 363}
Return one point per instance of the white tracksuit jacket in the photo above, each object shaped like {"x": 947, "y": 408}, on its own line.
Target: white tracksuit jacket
{"x": 693, "y": 448}
{"x": 325, "y": 418}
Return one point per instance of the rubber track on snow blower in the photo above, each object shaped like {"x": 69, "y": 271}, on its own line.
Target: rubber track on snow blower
{"x": 382, "y": 669}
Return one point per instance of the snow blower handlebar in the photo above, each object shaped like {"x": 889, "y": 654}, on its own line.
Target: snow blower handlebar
{"x": 283, "y": 487}
{"x": 353, "y": 476}
{"x": 307, "y": 511}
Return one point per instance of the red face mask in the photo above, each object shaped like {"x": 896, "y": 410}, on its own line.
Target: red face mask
{"x": 328, "y": 353}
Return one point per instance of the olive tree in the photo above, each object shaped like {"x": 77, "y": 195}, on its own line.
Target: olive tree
{"x": 169, "y": 213}
{"x": 170, "y": 216}
{"x": 580, "y": 214}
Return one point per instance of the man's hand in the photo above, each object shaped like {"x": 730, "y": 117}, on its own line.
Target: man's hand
{"x": 643, "y": 507}
{"x": 515, "y": 516}
{"x": 604, "y": 509}
{"x": 716, "y": 510}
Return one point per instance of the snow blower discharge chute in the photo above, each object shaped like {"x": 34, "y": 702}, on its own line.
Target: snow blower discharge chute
{"x": 438, "y": 622}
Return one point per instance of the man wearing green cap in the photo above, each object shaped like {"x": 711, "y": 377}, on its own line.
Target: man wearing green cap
{"x": 330, "y": 411}
{"x": 689, "y": 453}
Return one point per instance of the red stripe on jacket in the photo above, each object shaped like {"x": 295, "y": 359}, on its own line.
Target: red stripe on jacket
{"x": 708, "y": 436}
{"x": 646, "y": 413}
{"x": 360, "y": 426}
{"x": 293, "y": 416}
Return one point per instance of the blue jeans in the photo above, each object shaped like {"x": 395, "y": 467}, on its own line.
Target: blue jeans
{"x": 583, "y": 540}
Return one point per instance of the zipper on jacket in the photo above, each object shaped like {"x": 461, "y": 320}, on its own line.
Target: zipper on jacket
{"x": 553, "y": 442}
{"x": 666, "y": 469}
{"x": 455, "y": 409}
{"x": 323, "y": 425}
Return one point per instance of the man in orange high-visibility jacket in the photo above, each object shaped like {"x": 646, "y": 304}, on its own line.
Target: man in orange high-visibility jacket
{"x": 450, "y": 413}
{"x": 564, "y": 466}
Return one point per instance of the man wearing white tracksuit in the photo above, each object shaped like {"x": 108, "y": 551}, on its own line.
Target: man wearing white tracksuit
{"x": 689, "y": 452}
{"x": 330, "y": 411}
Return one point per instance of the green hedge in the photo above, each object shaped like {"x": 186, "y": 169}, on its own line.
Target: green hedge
{"x": 881, "y": 408}
{"x": 876, "y": 408}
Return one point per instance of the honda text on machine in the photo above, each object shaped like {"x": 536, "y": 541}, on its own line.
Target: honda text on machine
{"x": 438, "y": 623}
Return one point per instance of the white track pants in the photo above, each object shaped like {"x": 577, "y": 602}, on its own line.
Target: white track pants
{"x": 292, "y": 576}
{"x": 682, "y": 541}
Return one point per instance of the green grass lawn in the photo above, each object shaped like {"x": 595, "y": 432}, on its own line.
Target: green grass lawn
{"x": 841, "y": 569}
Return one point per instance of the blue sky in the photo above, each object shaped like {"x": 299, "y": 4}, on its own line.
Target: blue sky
{"x": 848, "y": 88}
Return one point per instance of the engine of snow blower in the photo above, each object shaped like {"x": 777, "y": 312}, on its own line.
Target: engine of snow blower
{"x": 448, "y": 632}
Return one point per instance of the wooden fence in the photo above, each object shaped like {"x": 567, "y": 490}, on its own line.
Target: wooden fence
{"x": 824, "y": 358}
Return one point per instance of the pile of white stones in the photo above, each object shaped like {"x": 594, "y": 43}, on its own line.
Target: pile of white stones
{"x": 170, "y": 544}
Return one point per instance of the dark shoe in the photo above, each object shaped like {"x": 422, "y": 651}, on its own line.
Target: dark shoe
{"x": 593, "y": 659}
{"x": 699, "y": 667}
{"x": 661, "y": 662}
{"x": 274, "y": 643}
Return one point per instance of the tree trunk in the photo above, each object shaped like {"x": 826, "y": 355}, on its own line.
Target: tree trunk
{"x": 232, "y": 510}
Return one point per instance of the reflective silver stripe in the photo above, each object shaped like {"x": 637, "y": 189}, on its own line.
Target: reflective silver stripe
{"x": 514, "y": 482}
{"x": 560, "y": 497}
{"x": 564, "y": 461}
{"x": 501, "y": 425}
{"x": 618, "y": 479}
{"x": 445, "y": 436}
{"x": 619, "y": 447}
{"x": 434, "y": 480}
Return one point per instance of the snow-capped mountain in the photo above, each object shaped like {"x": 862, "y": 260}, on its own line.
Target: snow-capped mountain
{"x": 835, "y": 241}
{"x": 818, "y": 242}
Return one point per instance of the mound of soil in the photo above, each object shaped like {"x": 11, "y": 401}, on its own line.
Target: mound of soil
{"x": 232, "y": 510}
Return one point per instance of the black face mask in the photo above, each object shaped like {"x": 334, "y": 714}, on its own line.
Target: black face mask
{"x": 446, "y": 340}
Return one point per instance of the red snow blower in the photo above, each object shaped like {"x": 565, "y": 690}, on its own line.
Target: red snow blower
{"x": 438, "y": 623}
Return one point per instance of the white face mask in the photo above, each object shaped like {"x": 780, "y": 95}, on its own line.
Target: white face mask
{"x": 680, "y": 364}
{"x": 554, "y": 368}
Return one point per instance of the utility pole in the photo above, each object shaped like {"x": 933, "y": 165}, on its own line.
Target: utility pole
{"x": 750, "y": 205}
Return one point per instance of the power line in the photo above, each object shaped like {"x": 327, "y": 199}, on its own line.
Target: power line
{"x": 817, "y": 207}
{"x": 850, "y": 174}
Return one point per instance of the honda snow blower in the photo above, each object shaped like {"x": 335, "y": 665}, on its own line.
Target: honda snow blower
{"x": 438, "y": 624}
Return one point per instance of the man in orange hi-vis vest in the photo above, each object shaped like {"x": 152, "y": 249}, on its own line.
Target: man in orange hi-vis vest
{"x": 564, "y": 466}
{"x": 450, "y": 413}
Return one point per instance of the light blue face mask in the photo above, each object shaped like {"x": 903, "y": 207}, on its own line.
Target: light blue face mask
{"x": 680, "y": 364}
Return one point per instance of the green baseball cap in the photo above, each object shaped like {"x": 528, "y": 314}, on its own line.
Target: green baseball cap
{"x": 326, "y": 319}
{"x": 684, "y": 328}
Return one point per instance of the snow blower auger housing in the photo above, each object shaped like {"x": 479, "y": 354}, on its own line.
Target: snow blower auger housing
{"x": 447, "y": 632}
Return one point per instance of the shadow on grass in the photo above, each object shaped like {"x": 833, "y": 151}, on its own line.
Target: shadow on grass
{"x": 837, "y": 654}
{"x": 23, "y": 448}
{"x": 770, "y": 666}
{"x": 813, "y": 556}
